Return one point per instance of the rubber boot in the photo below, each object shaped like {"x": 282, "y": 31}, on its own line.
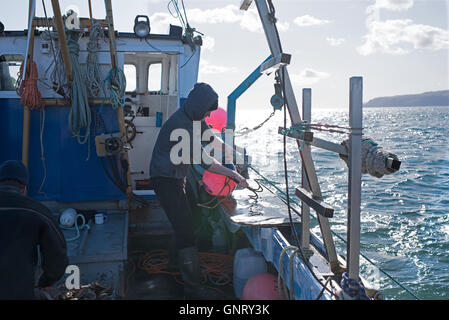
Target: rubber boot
{"x": 189, "y": 266}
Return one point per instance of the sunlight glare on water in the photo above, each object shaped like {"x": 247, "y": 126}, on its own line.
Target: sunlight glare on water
{"x": 405, "y": 216}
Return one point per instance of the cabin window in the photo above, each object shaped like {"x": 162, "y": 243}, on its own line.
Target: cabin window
{"x": 131, "y": 77}
{"x": 154, "y": 77}
{"x": 9, "y": 71}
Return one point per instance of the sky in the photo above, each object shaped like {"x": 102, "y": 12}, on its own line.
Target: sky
{"x": 397, "y": 46}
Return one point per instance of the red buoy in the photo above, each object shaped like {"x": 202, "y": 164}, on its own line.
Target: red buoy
{"x": 262, "y": 286}
{"x": 217, "y": 120}
{"x": 217, "y": 184}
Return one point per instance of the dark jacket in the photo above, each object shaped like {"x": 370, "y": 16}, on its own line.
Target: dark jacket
{"x": 24, "y": 224}
{"x": 197, "y": 104}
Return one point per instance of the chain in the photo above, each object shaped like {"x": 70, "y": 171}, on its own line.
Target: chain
{"x": 246, "y": 130}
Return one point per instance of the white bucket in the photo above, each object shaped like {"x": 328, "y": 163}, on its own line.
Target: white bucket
{"x": 247, "y": 263}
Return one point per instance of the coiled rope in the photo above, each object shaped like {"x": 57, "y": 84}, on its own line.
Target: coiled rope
{"x": 355, "y": 289}
{"x": 116, "y": 82}
{"x": 215, "y": 268}
{"x": 94, "y": 80}
{"x": 77, "y": 228}
{"x": 30, "y": 95}
{"x": 80, "y": 116}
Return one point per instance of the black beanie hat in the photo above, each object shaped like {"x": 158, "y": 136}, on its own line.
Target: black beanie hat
{"x": 14, "y": 170}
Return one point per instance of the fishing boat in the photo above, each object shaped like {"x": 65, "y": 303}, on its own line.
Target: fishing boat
{"x": 87, "y": 140}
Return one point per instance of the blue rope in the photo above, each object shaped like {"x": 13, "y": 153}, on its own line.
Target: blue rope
{"x": 355, "y": 289}
{"x": 76, "y": 227}
{"x": 116, "y": 82}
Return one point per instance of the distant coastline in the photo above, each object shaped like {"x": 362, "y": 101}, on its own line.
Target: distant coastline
{"x": 426, "y": 99}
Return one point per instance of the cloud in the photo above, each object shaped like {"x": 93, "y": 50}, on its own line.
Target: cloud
{"x": 394, "y": 5}
{"x": 251, "y": 21}
{"x": 160, "y": 22}
{"x": 208, "y": 43}
{"x": 248, "y": 20}
{"x": 335, "y": 42}
{"x": 227, "y": 14}
{"x": 308, "y": 77}
{"x": 391, "y": 36}
{"x": 231, "y": 14}
{"x": 399, "y": 36}
{"x": 208, "y": 68}
{"x": 307, "y": 21}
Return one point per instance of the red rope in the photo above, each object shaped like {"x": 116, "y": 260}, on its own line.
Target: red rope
{"x": 29, "y": 93}
{"x": 215, "y": 268}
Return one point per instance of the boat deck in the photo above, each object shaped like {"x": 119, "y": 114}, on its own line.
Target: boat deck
{"x": 142, "y": 285}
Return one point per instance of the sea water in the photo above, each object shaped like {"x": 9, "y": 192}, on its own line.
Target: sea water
{"x": 404, "y": 216}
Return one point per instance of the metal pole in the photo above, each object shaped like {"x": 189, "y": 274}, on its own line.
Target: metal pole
{"x": 30, "y": 37}
{"x": 305, "y": 209}
{"x": 114, "y": 62}
{"x": 242, "y": 87}
{"x": 90, "y": 12}
{"x": 26, "y": 64}
{"x": 355, "y": 175}
{"x": 62, "y": 39}
{"x": 275, "y": 48}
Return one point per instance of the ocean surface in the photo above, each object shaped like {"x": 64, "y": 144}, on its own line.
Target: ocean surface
{"x": 404, "y": 216}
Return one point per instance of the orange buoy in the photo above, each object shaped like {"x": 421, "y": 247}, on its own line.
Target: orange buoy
{"x": 217, "y": 184}
{"x": 262, "y": 286}
{"x": 217, "y": 120}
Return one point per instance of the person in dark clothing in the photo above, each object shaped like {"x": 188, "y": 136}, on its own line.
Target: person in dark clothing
{"x": 169, "y": 179}
{"x": 26, "y": 224}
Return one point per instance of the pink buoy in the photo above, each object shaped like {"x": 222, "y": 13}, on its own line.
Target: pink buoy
{"x": 217, "y": 120}
{"x": 262, "y": 286}
{"x": 217, "y": 184}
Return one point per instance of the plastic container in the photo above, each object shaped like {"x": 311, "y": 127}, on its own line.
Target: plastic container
{"x": 247, "y": 263}
{"x": 262, "y": 286}
{"x": 217, "y": 184}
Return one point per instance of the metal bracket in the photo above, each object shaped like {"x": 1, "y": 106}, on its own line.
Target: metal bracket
{"x": 303, "y": 135}
{"x": 315, "y": 203}
{"x": 275, "y": 63}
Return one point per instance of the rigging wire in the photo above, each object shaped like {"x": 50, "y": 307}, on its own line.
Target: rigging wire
{"x": 188, "y": 30}
{"x": 52, "y": 47}
{"x": 178, "y": 15}
{"x": 193, "y": 53}
{"x": 157, "y": 49}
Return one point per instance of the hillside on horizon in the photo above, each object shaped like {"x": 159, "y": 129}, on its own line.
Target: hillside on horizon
{"x": 425, "y": 99}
